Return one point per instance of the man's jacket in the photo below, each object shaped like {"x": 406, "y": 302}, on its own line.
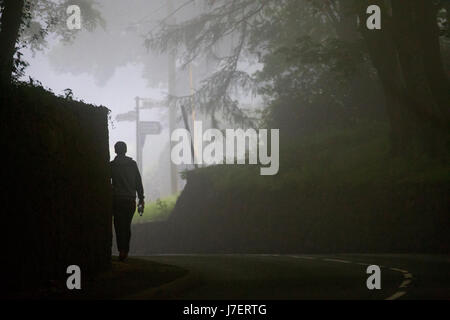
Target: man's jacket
{"x": 126, "y": 179}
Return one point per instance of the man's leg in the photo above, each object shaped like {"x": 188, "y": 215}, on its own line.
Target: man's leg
{"x": 123, "y": 215}
{"x": 129, "y": 218}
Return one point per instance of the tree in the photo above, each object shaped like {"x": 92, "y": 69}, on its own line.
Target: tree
{"x": 315, "y": 75}
{"x": 406, "y": 54}
{"x": 28, "y": 22}
{"x": 302, "y": 46}
{"x": 11, "y": 19}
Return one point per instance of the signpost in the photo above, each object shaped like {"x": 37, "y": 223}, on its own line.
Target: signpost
{"x": 148, "y": 128}
{"x": 143, "y": 128}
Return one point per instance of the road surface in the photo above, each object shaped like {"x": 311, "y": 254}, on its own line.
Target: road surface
{"x": 248, "y": 276}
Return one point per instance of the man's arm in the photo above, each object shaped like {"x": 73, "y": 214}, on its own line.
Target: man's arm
{"x": 111, "y": 180}
{"x": 139, "y": 187}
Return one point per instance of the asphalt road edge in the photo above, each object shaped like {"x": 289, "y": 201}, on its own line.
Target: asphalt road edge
{"x": 170, "y": 290}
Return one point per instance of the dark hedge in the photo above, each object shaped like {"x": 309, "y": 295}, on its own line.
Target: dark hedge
{"x": 56, "y": 197}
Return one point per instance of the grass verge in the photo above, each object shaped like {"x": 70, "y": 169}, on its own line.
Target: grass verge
{"x": 157, "y": 210}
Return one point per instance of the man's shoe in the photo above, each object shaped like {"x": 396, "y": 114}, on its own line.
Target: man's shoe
{"x": 123, "y": 255}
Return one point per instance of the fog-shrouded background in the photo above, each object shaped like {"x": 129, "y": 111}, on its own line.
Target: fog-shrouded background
{"x": 110, "y": 65}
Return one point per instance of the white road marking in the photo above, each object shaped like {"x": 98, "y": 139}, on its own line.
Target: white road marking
{"x": 336, "y": 260}
{"x": 303, "y": 257}
{"x": 396, "y": 295}
{"x": 399, "y": 270}
{"x": 405, "y": 283}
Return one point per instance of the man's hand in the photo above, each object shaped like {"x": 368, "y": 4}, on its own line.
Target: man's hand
{"x": 141, "y": 207}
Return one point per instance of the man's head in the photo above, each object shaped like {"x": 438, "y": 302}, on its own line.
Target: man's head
{"x": 120, "y": 148}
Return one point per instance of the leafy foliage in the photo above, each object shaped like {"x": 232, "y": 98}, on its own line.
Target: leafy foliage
{"x": 296, "y": 42}
{"x": 48, "y": 17}
{"x": 222, "y": 24}
{"x": 44, "y": 17}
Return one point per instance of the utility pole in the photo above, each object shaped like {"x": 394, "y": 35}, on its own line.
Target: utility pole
{"x": 171, "y": 106}
{"x": 191, "y": 86}
{"x": 138, "y": 138}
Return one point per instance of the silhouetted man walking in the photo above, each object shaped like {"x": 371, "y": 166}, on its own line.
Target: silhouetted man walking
{"x": 126, "y": 182}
